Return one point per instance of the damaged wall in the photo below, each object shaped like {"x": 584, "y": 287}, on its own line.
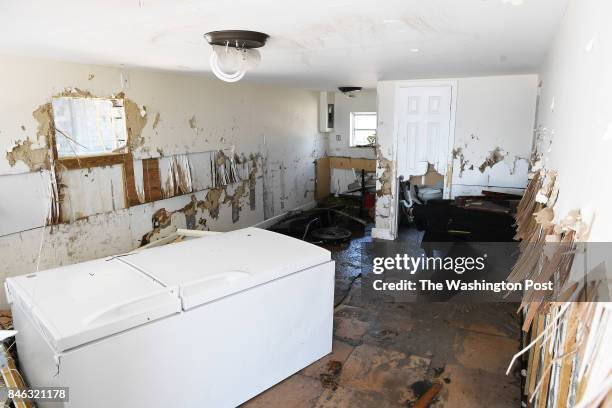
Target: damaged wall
{"x": 365, "y": 101}
{"x": 179, "y": 122}
{"x": 575, "y": 114}
{"x": 493, "y": 133}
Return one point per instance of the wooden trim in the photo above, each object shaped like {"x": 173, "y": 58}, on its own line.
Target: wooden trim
{"x": 340, "y": 163}
{"x": 130, "y": 183}
{"x": 73, "y": 163}
{"x": 348, "y": 163}
{"x": 151, "y": 180}
{"x": 322, "y": 178}
{"x": 323, "y": 168}
{"x": 363, "y": 164}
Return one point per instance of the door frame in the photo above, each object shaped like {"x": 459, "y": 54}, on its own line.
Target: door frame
{"x": 448, "y": 176}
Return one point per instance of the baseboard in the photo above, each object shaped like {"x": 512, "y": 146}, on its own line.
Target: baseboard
{"x": 273, "y": 220}
{"x": 382, "y": 233}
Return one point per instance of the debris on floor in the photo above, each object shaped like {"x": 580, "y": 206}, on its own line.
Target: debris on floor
{"x": 11, "y": 377}
{"x": 427, "y": 395}
{"x": 330, "y": 223}
{"x": 382, "y": 351}
{"x": 330, "y": 378}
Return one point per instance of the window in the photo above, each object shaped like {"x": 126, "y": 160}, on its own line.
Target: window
{"x": 363, "y": 129}
{"x": 89, "y": 126}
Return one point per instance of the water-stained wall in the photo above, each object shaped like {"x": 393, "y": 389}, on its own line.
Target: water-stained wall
{"x": 178, "y": 128}
{"x": 494, "y": 128}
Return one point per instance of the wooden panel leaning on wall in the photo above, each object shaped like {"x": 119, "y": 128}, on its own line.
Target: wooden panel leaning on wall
{"x": 323, "y": 168}
{"x": 564, "y": 351}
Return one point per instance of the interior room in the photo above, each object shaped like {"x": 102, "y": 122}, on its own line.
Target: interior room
{"x": 320, "y": 204}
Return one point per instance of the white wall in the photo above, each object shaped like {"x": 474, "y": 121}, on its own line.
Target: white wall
{"x": 494, "y": 112}
{"x": 577, "y": 76}
{"x": 278, "y": 123}
{"x": 491, "y": 112}
{"x": 365, "y": 101}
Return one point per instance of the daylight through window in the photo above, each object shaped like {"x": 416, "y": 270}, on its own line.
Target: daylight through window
{"x": 89, "y": 126}
{"x": 363, "y": 128}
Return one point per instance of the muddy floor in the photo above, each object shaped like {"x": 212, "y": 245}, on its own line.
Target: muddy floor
{"x": 388, "y": 354}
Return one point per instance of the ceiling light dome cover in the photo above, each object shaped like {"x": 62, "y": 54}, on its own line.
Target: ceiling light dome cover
{"x": 234, "y": 52}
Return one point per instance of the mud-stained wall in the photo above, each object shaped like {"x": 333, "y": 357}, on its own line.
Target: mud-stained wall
{"x": 179, "y": 120}
{"x": 494, "y": 124}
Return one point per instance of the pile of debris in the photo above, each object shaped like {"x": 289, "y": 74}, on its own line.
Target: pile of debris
{"x": 321, "y": 225}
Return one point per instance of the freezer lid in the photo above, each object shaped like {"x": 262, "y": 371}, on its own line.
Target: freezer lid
{"x": 76, "y": 304}
{"x": 208, "y": 268}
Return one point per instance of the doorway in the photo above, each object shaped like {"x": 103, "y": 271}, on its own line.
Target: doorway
{"x": 425, "y": 124}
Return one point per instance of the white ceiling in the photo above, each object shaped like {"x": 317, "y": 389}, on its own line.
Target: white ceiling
{"x": 314, "y": 43}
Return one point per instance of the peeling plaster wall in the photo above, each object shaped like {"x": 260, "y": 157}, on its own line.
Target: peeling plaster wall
{"x": 575, "y": 113}
{"x": 365, "y": 101}
{"x": 493, "y": 133}
{"x": 386, "y": 183}
{"x": 493, "y": 136}
{"x": 184, "y": 114}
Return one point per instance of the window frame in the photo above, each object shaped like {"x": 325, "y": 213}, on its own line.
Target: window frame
{"x": 352, "y": 128}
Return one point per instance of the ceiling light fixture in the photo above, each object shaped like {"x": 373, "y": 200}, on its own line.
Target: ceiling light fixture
{"x": 234, "y": 52}
{"x": 414, "y": 50}
{"x": 350, "y": 91}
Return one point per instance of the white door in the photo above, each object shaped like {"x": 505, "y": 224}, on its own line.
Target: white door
{"x": 423, "y": 129}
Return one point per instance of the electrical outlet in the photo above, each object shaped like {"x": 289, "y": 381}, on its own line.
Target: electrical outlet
{"x": 338, "y": 138}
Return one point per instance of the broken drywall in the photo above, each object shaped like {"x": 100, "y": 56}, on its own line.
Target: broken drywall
{"x": 496, "y": 170}
{"x": 212, "y": 201}
{"x": 175, "y": 169}
{"x": 243, "y": 115}
{"x": 235, "y": 200}
{"x": 253, "y": 181}
{"x": 136, "y": 120}
{"x": 490, "y": 111}
{"x": 45, "y": 130}
{"x": 35, "y": 158}
{"x": 268, "y": 195}
{"x": 89, "y": 191}
{"x": 495, "y": 156}
{"x": 384, "y": 177}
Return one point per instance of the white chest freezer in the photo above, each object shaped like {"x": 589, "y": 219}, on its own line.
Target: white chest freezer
{"x": 209, "y": 322}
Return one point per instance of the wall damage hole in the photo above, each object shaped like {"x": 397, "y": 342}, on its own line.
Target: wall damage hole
{"x": 234, "y": 199}
{"x": 458, "y": 154}
{"x": 136, "y": 120}
{"x": 89, "y": 126}
{"x": 35, "y": 158}
{"x": 211, "y": 202}
{"x": 229, "y": 168}
{"x": 385, "y": 177}
{"x": 495, "y": 156}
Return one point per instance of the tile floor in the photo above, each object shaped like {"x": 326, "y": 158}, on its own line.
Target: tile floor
{"x": 386, "y": 354}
